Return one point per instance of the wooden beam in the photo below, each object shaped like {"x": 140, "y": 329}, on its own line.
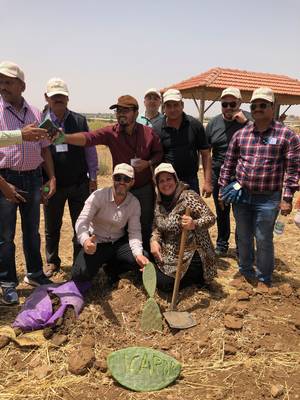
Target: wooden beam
{"x": 196, "y": 104}
{"x": 201, "y": 110}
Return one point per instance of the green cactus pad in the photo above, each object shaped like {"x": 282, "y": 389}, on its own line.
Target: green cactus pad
{"x": 149, "y": 279}
{"x": 151, "y": 317}
{"x": 143, "y": 369}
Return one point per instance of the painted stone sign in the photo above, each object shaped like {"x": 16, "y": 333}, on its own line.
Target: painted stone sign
{"x": 143, "y": 369}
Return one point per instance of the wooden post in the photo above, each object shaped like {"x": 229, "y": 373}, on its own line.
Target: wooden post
{"x": 276, "y": 111}
{"x": 201, "y": 110}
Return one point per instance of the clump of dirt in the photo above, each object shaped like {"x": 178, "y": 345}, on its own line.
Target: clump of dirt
{"x": 63, "y": 326}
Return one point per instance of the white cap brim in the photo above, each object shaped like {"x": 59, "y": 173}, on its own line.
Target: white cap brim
{"x": 50, "y": 94}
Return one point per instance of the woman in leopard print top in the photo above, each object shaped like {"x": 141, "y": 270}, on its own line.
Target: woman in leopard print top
{"x": 173, "y": 197}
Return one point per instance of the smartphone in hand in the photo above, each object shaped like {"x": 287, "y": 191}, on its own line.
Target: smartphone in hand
{"x": 52, "y": 129}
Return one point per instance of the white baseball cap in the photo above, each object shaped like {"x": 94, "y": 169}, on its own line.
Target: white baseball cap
{"x": 263, "y": 93}
{"x": 165, "y": 167}
{"x": 153, "y": 91}
{"x": 56, "y": 86}
{"x": 124, "y": 169}
{"x": 232, "y": 91}
{"x": 12, "y": 70}
{"x": 172, "y": 94}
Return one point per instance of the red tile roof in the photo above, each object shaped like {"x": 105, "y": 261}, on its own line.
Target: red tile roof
{"x": 220, "y": 78}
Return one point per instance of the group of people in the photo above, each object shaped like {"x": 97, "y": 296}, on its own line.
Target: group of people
{"x": 155, "y": 179}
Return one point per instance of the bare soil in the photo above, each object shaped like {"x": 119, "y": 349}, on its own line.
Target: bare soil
{"x": 246, "y": 344}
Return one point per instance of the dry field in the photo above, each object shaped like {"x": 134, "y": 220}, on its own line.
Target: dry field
{"x": 263, "y": 355}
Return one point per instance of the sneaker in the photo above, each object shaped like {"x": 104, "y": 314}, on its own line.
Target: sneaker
{"x": 50, "y": 269}
{"x": 221, "y": 252}
{"x": 10, "y": 296}
{"x": 38, "y": 281}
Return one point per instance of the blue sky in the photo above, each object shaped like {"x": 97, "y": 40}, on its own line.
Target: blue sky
{"x": 105, "y": 49}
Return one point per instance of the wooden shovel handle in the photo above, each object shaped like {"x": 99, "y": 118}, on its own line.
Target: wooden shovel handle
{"x": 179, "y": 264}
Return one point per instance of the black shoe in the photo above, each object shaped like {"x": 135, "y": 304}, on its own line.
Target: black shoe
{"x": 38, "y": 281}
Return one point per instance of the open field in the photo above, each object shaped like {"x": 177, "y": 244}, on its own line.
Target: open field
{"x": 217, "y": 362}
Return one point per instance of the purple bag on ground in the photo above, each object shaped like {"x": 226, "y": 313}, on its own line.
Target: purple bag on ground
{"x": 37, "y": 312}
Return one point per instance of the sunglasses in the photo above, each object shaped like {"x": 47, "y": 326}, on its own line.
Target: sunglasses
{"x": 231, "y": 104}
{"x": 262, "y": 106}
{"x": 120, "y": 177}
{"x": 124, "y": 110}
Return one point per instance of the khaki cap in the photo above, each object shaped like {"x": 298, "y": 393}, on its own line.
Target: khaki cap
{"x": 232, "y": 91}
{"x": 153, "y": 91}
{"x": 263, "y": 93}
{"x": 57, "y": 86}
{"x": 172, "y": 95}
{"x": 12, "y": 70}
{"x": 164, "y": 167}
{"x": 124, "y": 169}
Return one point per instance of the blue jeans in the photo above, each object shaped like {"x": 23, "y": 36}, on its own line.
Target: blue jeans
{"x": 255, "y": 218}
{"x": 30, "y": 182}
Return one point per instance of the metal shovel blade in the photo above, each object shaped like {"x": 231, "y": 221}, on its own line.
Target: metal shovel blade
{"x": 179, "y": 319}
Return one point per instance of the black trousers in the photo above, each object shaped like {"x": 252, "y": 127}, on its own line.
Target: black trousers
{"x": 194, "y": 275}
{"x": 223, "y": 216}
{"x": 117, "y": 255}
{"x": 54, "y": 211}
{"x": 145, "y": 195}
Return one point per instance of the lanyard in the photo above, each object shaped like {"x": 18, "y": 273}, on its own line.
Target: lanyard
{"x": 18, "y": 118}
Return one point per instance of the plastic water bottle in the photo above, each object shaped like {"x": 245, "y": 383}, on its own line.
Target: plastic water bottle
{"x": 279, "y": 225}
{"x": 297, "y": 218}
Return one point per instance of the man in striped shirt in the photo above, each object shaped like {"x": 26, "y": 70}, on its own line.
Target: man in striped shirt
{"x": 20, "y": 166}
{"x": 264, "y": 157}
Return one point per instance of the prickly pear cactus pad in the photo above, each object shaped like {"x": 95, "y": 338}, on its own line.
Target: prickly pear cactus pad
{"x": 143, "y": 369}
{"x": 151, "y": 317}
{"x": 149, "y": 279}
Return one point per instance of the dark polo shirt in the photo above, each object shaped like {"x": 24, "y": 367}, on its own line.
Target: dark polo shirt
{"x": 219, "y": 133}
{"x": 181, "y": 146}
{"x": 144, "y": 143}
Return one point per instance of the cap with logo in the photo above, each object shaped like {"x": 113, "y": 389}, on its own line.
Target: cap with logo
{"x": 232, "y": 91}
{"x": 172, "y": 95}
{"x": 125, "y": 101}
{"x": 11, "y": 70}
{"x": 124, "y": 169}
{"x": 56, "y": 86}
{"x": 263, "y": 93}
{"x": 153, "y": 91}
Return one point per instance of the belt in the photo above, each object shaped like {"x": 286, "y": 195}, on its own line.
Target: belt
{"x": 263, "y": 192}
{"x": 16, "y": 172}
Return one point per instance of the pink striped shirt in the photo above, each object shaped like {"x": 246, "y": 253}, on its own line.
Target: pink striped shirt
{"x": 26, "y": 156}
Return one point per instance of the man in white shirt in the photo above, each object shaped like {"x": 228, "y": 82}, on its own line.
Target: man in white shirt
{"x": 109, "y": 229}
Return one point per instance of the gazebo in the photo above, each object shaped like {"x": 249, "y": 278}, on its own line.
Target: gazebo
{"x": 209, "y": 86}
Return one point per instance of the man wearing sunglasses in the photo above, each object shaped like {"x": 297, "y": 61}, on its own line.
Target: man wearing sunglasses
{"x": 109, "y": 230}
{"x": 219, "y": 132}
{"x": 132, "y": 143}
{"x": 265, "y": 159}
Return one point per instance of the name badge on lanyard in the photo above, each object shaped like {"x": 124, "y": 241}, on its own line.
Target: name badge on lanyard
{"x": 272, "y": 140}
{"x": 61, "y": 148}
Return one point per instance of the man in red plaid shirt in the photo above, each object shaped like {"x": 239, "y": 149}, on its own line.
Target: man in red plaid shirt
{"x": 264, "y": 157}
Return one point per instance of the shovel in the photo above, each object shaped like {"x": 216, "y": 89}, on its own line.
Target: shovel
{"x": 179, "y": 319}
